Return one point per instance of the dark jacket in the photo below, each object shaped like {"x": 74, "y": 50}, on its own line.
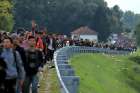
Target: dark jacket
{"x": 53, "y": 42}
{"x": 34, "y": 61}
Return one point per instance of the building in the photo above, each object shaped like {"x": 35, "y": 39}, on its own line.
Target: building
{"x": 84, "y": 33}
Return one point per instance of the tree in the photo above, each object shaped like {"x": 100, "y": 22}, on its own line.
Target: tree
{"x": 102, "y": 23}
{"x": 6, "y": 17}
{"x": 130, "y": 20}
{"x": 64, "y": 16}
{"x": 116, "y": 15}
{"x": 137, "y": 34}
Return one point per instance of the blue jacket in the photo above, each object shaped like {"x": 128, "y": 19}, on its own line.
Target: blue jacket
{"x": 15, "y": 69}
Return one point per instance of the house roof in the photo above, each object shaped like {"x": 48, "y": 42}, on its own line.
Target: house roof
{"x": 84, "y": 31}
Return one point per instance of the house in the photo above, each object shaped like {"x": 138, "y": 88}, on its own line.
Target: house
{"x": 84, "y": 33}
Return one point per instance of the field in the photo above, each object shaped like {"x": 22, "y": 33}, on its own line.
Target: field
{"x": 100, "y": 73}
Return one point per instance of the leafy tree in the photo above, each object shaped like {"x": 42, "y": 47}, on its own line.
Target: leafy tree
{"x": 116, "y": 15}
{"x": 64, "y": 16}
{"x": 6, "y": 17}
{"x": 102, "y": 23}
{"x": 130, "y": 20}
{"x": 137, "y": 34}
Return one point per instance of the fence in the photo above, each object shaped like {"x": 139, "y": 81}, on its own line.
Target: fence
{"x": 68, "y": 81}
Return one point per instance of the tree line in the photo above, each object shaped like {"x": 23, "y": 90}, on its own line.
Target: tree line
{"x": 64, "y": 16}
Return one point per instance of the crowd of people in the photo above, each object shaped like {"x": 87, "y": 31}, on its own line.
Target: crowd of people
{"x": 120, "y": 46}
{"x": 23, "y": 55}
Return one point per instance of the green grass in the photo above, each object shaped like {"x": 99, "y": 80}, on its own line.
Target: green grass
{"x": 100, "y": 73}
{"x": 55, "y": 88}
{"x": 49, "y": 83}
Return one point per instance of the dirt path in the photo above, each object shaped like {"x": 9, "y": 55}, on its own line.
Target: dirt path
{"x": 49, "y": 82}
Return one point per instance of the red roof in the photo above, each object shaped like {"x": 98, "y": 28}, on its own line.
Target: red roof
{"x": 84, "y": 31}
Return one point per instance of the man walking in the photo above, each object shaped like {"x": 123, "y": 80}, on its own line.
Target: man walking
{"x": 32, "y": 65}
{"x": 14, "y": 68}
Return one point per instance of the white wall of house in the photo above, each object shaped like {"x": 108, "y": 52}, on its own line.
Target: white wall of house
{"x": 89, "y": 37}
{"x": 75, "y": 37}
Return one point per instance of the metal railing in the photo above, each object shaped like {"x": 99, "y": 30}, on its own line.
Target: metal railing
{"x": 69, "y": 83}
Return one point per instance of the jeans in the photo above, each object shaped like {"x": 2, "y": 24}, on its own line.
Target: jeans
{"x": 30, "y": 80}
{"x": 1, "y": 86}
{"x": 18, "y": 87}
{"x": 50, "y": 54}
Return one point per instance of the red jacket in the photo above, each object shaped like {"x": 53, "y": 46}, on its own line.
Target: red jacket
{"x": 39, "y": 43}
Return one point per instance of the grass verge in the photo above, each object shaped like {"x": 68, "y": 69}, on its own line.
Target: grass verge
{"x": 100, "y": 73}
{"x": 49, "y": 83}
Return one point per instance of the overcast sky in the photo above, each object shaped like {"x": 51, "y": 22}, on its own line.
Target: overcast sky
{"x": 133, "y": 5}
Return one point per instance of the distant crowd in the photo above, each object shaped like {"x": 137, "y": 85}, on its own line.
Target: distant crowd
{"x": 120, "y": 46}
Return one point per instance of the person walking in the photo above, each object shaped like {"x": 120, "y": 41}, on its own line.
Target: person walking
{"x": 14, "y": 64}
{"x": 32, "y": 66}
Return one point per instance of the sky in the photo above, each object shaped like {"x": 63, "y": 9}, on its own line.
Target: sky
{"x": 133, "y": 5}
